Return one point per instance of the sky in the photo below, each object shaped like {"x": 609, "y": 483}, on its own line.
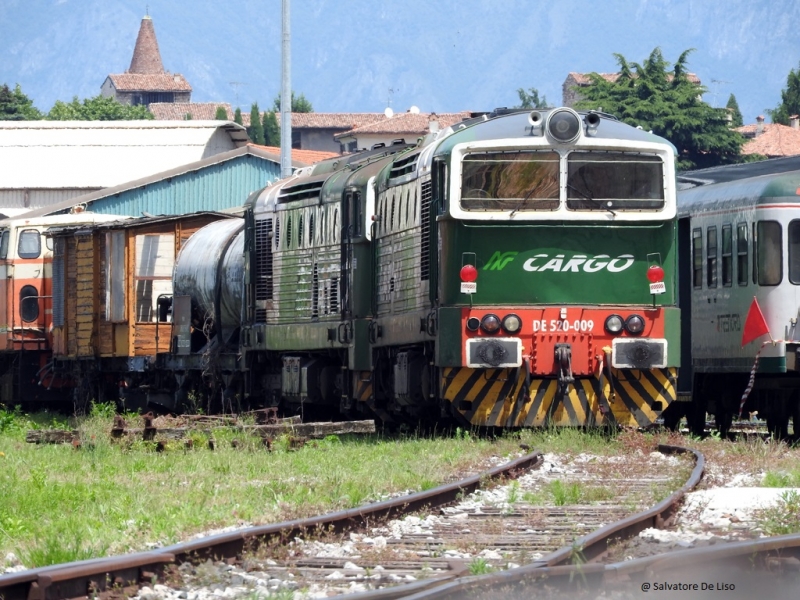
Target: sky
{"x": 365, "y": 55}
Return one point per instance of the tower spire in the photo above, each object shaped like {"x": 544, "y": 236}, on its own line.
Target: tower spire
{"x": 146, "y": 57}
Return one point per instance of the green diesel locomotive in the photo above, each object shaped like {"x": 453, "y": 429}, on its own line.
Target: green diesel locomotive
{"x": 517, "y": 269}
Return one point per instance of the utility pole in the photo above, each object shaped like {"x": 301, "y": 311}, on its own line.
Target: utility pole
{"x": 286, "y": 95}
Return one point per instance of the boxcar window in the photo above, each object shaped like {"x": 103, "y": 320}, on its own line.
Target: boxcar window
{"x": 115, "y": 276}
{"x": 711, "y": 258}
{"x": 742, "y": 248}
{"x": 155, "y": 256}
{"x": 614, "y": 180}
{"x": 794, "y": 252}
{"x": 4, "y": 244}
{"x": 697, "y": 258}
{"x": 769, "y": 241}
{"x": 30, "y": 244}
{"x": 727, "y": 256}
{"x": 510, "y": 181}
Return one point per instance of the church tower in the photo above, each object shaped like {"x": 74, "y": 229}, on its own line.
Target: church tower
{"x": 146, "y": 81}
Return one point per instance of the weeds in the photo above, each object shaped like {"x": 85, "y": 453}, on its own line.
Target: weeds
{"x": 782, "y": 518}
{"x": 479, "y": 566}
{"x": 565, "y": 493}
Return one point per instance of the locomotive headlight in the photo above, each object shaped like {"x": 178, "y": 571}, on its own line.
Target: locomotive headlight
{"x": 634, "y": 324}
{"x": 614, "y": 324}
{"x": 490, "y": 323}
{"x": 512, "y": 324}
{"x": 473, "y": 323}
{"x": 564, "y": 125}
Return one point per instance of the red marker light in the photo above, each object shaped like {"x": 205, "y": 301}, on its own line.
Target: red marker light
{"x": 469, "y": 273}
{"x": 655, "y": 274}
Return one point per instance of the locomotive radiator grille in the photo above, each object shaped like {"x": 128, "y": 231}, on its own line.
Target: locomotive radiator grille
{"x": 498, "y": 398}
{"x": 263, "y": 247}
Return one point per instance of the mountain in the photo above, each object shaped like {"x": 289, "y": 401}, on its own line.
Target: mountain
{"x": 360, "y": 55}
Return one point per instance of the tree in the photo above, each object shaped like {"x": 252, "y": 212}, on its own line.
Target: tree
{"x": 299, "y": 104}
{"x": 237, "y": 116}
{"x": 736, "y": 114}
{"x": 99, "y": 108}
{"x": 790, "y": 99}
{"x": 530, "y": 99}
{"x": 663, "y": 99}
{"x": 222, "y": 114}
{"x": 256, "y": 129}
{"x": 272, "y": 131}
{"x": 16, "y": 106}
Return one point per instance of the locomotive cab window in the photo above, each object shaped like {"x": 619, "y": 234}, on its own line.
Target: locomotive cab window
{"x": 510, "y": 181}
{"x": 4, "y": 244}
{"x": 30, "y": 244}
{"x": 615, "y": 181}
{"x": 794, "y": 252}
{"x": 767, "y": 257}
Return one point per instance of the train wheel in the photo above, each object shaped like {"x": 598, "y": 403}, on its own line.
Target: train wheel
{"x": 724, "y": 419}
{"x": 673, "y": 414}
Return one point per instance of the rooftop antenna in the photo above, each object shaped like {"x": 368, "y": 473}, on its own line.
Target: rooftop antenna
{"x": 389, "y": 99}
{"x": 716, "y": 89}
{"x": 236, "y": 85}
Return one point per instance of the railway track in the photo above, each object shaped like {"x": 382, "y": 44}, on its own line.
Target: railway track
{"x": 455, "y": 530}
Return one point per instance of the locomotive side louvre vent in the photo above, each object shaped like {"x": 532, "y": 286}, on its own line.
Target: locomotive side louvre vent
{"x": 404, "y": 166}
{"x": 263, "y": 267}
{"x": 315, "y": 292}
{"x": 301, "y": 191}
{"x": 334, "y": 295}
{"x": 425, "y": 223}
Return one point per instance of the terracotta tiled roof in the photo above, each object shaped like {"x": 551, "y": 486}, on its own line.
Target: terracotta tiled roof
{"x": 406, "y": 123}
{"x": 312, "y": 120}
{"x": 177, "y": 111}
{"x": 774, "y": 141}
{"x": 165, "y": 82}
{"x": 333, "y": 120}
{"x": 306, "y": 156}
{"x": 584, "y": 79}
{"x": 146, "y": 57}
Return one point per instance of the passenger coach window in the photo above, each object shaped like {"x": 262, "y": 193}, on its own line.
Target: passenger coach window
{"x": 697, "y": 258}
{"x": 727, "y": 256}
{"x": 769, "y": 262}
{"x": 30, "y": 244}
{"x": 742, "y": 248}
{"x": 4, "y": 244}
{"x": 614, "y": 180}
{"x": 794, "y": 252}
{"x": 510, "y": 181}
{"x": 711, "y": 260}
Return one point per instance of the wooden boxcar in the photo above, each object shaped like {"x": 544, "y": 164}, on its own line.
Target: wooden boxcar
{"x": 112, "y": 288}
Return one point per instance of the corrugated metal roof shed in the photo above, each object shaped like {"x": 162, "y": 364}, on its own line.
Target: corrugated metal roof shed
{"x": 217, "y": 183}
{"x": 60, "y": 155}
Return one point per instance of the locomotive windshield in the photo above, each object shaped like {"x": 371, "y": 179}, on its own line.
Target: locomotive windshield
{"x": 614, "y": 180}
{"x": 529, "y": 181}
{"x": 505, "y": 180}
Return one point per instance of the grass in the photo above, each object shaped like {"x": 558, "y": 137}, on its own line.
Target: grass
{"x": 59, "y": 504}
